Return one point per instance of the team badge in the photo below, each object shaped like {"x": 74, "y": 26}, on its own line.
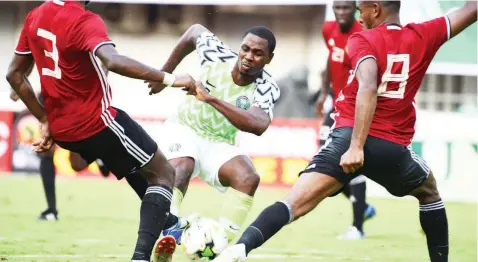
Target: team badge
{"x": 174, "y": 148}
{"x": 243, "y": 102}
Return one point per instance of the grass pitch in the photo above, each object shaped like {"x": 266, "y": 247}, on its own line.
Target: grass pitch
{"x": 99, "y": 222}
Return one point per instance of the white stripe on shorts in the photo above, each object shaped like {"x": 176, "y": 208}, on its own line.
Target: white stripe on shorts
{"x": 419, "y": 160}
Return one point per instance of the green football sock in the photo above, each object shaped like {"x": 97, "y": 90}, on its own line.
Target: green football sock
{"x": 234, "y": 211}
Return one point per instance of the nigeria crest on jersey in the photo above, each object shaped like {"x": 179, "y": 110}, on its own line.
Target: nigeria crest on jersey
{"x": 243, "y": 102}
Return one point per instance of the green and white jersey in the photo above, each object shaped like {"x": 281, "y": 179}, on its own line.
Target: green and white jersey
{"x": 217, "y": 61}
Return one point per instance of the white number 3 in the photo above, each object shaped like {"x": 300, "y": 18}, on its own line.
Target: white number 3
{"x": 389, "y": 76}
{"x": 56, "y": 73}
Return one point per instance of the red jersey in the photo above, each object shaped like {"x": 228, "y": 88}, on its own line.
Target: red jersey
{"x": 340, "y": 64}
{"x": 63, "y": 38}
{"x": 403, "y": 55}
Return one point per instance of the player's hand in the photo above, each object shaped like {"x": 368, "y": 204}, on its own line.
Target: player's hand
{"x": 319, "y": 109}
{"x": 155, "y": 87}
{"x": 46, "y": 139}
{"x": 184, "y": 81}
{"x": 14, "y": 96}
{"x": 352, "y": 160}
{"x": 199, "y": 91}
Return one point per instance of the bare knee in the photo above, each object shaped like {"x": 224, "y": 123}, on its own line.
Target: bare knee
{"x": 247, "y": 182}
{"x": 77, "y": 163}
{"x": 159, "y": 171}
{"x": 309, "y": 190}
{"x": 240, "y": 174}
{"x": 428, "y": 192}
{"x": 184, "y": 168}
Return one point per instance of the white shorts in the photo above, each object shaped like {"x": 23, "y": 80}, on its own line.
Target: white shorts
{"x": 177, "y": 140}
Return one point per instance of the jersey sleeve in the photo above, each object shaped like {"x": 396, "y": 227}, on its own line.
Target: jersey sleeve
{"x": 23, "y": 47}
{"x": 266, "y": 95}
{"x": 436, "y": 32}
{"x": 210, "y": 49}
{"x": 90, "y": 33}
{"x": 326, "y": 32}
{"x": 358, "y": 50}
{"x": 326, "y": 28}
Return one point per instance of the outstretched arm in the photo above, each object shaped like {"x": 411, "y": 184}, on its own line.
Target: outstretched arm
{"x": 126, "y": 66}
{"x": 129, "y": 67}
{"x": 463, "y": 17}
{"x": 186, "y": 45}
{"x": 18, "y": 71}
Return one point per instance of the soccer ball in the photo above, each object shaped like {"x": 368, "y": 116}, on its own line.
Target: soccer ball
{"x": 204, "y": 239}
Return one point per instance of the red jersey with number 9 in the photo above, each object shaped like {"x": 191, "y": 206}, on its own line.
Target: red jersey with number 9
{"x": 403, "y": 55}
{"x": 63, "y": 37}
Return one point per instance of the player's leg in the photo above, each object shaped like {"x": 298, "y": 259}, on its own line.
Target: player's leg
{"x": 138, "y": 183}
{"x": 184, "y": 168}
{"x": 237, "y": 173}
{"x": 408, "y": 174}
{"x": 322, "y": 178}
{"x": 361, "y": 210}
{"x": 346, "y": 191}
{"x": 155, "y": 206}
{"x": 433, "y": 219}
{"x": 105, "y": 172}
{"x": 47, "y": 173}
{"x": 77, "y": 163}
{"x": 126, "y": 148}
{"x": 309, "y": 190}
{"x": 421, "y": 184}
{"x": 179, "y": 144}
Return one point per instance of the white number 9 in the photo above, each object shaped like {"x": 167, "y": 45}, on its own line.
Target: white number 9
{"x": 56, "y": 73}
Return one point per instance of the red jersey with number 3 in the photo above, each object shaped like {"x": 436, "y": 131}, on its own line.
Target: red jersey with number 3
{"x": 340, "y": 64}
{"x": 403, "y": 55}
{"x": 62, "y": 38}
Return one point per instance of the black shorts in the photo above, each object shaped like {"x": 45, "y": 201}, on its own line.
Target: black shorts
{"x": 124, "y": 146}
{"x": 395, "y": 167}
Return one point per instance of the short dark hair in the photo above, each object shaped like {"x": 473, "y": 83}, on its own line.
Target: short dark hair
{"x": 264, "y": 33}
{"x": 392, "y": 5}
{"x": 354, "y": 3}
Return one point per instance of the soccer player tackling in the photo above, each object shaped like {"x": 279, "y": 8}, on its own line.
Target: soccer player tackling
{"x": 375, "y": 119}
{"x": 336, "y": 34}
{"x": 233, "y": 93}
{"x": 66, "y": 43}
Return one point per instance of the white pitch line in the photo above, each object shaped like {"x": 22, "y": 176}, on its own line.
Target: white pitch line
{"x": 45, "y": 256}
{"x": 313, "y": 252}
{"x": 308, "y": 251}
{"x": 279, "y": 256}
